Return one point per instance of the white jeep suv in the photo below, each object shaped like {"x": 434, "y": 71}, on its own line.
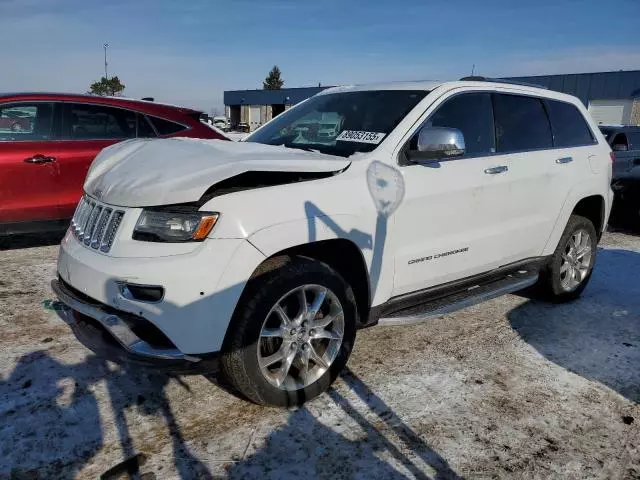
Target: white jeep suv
{"x": 264, "y": 257}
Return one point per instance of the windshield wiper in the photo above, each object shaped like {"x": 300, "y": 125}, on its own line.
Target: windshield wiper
{"x": 301, "y": 147}
{"x": 324, "y": 149}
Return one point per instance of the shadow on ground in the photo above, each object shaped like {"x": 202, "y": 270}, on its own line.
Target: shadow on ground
{"x": 598, "y": 335}
{"x": 14, "y": 242}
{"x": 50, "y": 422}
{"x": 381, "y": 445}
{"x": 625, "y": 217}
{"x": 50, "y": 427}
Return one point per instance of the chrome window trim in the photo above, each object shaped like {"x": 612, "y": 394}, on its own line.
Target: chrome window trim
{"x": 115, "y": 140}
{"x": 401, "y": 161}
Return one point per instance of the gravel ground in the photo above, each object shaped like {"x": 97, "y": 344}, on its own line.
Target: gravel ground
{"x": 513, "y": 388}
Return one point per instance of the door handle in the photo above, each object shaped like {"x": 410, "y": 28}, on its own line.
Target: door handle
{"x": 564, "y": 160}
{"x": 494, "y": 170}
{"x": 39, "y": 158}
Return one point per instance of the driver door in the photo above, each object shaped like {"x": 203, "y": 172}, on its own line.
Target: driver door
{"x": 28, "y": 163}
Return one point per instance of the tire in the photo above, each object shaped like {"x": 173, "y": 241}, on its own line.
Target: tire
{"x": 279, "y": 282}
{"x": 557, "y": 282}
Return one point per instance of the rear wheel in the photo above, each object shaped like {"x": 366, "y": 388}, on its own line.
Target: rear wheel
{"x": 572, "y": 263}
{"x": 291, "y": 334}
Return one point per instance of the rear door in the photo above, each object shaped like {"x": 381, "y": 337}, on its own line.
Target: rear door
{"x": 28, "y": 162}
{"x": 551, "y": 142}
{"x": 536, "y": 196}
{"x": 87, "y": 129}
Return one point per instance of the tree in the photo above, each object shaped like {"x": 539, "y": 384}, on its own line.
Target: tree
{"x": 107, "y": 86}
{"x": 273, "y": 80}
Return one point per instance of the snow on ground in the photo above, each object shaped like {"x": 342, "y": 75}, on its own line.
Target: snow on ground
{"x": 513, "y": 388}
{"x": 236, "y": 136}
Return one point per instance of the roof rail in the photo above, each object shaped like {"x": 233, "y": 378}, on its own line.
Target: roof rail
{"x": 476, "y": 78}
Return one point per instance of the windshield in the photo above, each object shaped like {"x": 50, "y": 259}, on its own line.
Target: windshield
{"x": 340, "y": 123}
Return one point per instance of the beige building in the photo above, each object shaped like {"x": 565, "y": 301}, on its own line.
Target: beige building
{"x": 256, "y": 107}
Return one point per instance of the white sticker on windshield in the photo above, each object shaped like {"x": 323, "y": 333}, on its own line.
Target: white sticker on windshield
{"x": 358, "y": 136}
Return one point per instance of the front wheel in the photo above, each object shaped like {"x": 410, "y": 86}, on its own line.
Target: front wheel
{"x": 291, "y": 334}
{"x": 571, "y": 265}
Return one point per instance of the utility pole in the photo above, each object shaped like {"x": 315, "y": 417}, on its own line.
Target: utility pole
{"x": 473, "y": 69}
{"x": 106, "y": 75}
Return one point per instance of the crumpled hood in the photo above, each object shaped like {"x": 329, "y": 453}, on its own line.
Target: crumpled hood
{"x": 144, "y": 172}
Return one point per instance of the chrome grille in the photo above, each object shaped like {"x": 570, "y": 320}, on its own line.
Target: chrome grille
{"x": 95, "y": 224}
{"x": 98, "y": 232}
{"x": 110, "y": 233}
{"x": 91, "y": 223}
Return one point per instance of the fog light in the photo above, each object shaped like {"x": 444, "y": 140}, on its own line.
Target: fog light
{"x": 141, "y": 293}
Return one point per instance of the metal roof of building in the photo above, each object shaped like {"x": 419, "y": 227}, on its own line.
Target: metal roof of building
{"x": 287, "y": 96}
{"x": 591, "y": 86}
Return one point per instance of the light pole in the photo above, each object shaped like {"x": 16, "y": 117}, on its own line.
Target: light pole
{"x": 105, "y": 46}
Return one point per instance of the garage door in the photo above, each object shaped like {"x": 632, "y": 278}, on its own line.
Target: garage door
{"x": 611, "y": 112}
{"x": 254, "y": 117}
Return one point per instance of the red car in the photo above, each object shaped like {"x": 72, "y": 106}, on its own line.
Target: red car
{"x": 48, "y": 141}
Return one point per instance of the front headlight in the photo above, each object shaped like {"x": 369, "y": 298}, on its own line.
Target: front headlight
{"x": 167, "y": 226}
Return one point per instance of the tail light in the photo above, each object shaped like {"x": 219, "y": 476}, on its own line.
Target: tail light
{"x": 612, "y": 156}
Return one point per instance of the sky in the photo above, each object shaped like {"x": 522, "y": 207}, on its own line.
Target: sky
{"x": 189, "y": 52}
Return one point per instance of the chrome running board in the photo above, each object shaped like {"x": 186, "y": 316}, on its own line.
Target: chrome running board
{"x": 462, "y": 299}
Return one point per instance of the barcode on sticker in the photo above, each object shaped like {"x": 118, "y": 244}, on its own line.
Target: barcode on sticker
{"x": 359, "y": 136}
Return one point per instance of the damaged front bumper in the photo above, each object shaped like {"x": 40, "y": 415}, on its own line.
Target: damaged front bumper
{"x": 116, "y": 335}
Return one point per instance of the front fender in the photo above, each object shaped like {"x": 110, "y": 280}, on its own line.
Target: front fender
{"x": 316, "y": 227}
{"x": 369, "y": 235}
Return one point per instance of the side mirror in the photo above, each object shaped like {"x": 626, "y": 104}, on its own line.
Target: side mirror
{"x": 438, "y": 143}
{"x": 620, "y": 147}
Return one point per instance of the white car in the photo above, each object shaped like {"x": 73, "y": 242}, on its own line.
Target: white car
{"x": 221, "y": 122}
{"x": 267, "y": 255}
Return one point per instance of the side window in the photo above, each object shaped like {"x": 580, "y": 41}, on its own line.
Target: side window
{"x": 471, "y": 114}
{"x": 97, "y": 122}
{"x": 620, "y": 143}
{"x": 521, "y": 123}
{"x": 144, "y": 127}
{"x": 569, "y": 126}
{"x": 26, "y": 122}
{"x": 165, "y": 127}
{"x": 634, "y": 140}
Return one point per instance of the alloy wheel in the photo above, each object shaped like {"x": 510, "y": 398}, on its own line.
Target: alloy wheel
{"x": 576, "y": 260}
{"x": 300, "y": 337}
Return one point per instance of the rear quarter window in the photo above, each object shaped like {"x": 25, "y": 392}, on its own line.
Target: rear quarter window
{"x": 570, "y": 129}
